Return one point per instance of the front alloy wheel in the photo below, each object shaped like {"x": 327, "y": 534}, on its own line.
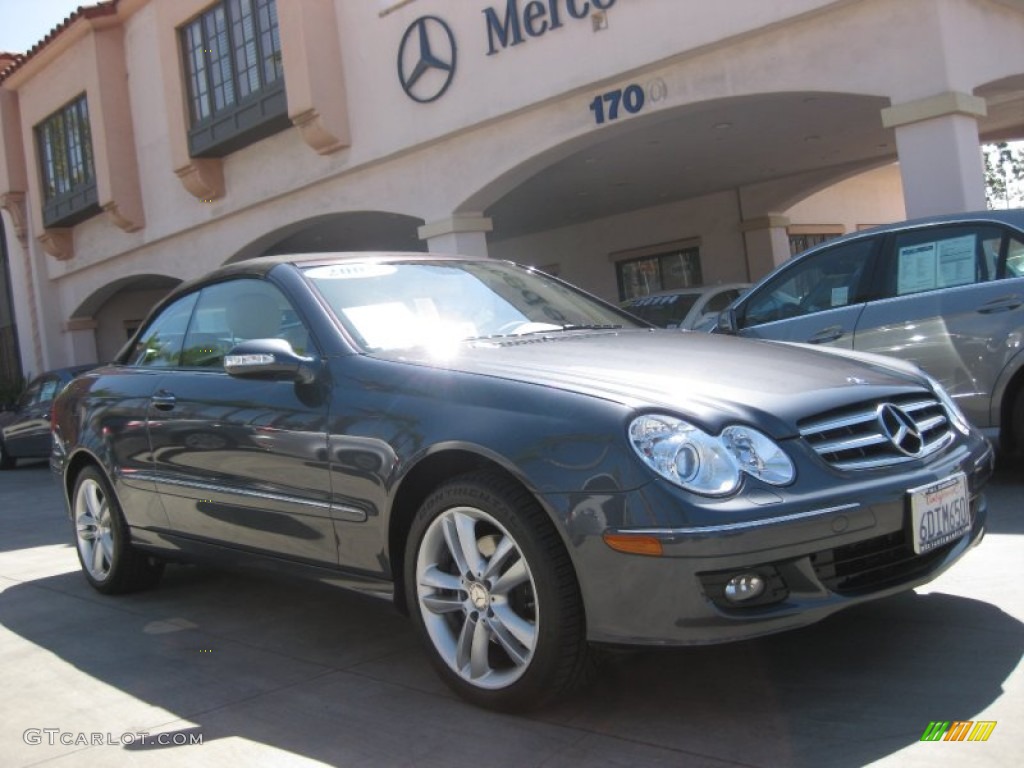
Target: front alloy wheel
{"x": 477, "y": 597}
{"x": 493, "y": 593}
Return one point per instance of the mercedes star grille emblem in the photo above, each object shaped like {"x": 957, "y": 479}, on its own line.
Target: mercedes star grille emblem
{"x": 426, "y": 59}
{"x": 901, "y": 430}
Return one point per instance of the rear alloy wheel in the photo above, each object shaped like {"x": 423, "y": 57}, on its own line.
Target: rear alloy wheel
{"x": 493, "y": 594}
{"x": 110, "y": 563}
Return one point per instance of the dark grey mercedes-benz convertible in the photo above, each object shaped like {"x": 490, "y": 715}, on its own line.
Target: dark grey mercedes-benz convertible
{"x": 525, "y": 469}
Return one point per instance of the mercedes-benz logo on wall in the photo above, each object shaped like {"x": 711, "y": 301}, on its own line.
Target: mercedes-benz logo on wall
{"x": 901, "y": 430}
{"x": 426, "y": 59}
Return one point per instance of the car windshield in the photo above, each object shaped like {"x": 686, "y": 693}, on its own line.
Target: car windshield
{"x": 663, "y": 311}
{"x": 396, "y": 305}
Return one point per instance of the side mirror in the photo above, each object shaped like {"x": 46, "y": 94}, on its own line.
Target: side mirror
{"x": 270, "y": 359}
{"x": 727, "y": 322}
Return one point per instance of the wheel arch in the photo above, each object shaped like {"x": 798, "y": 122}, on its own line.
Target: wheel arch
{"x": 1012, "y": 390}
{"x": 75, "y": 464}
{"x": 428, "y": 474}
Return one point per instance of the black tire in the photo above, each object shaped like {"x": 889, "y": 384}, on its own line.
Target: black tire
{"x": 6, "y": 460}
{"x": 109, "y": 561}
{"x": 505, "y": 632}
{"x": 1017, "y": 423}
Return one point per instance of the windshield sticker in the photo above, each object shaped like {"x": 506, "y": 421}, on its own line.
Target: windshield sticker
{"x": 349, "y": 271}
{"x": 393, "y": 326}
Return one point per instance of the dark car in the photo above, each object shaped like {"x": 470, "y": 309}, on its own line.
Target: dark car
{"x": 523, "y": 468}
{"x": 25, "y": 429}
{"x": 946, "y": 293}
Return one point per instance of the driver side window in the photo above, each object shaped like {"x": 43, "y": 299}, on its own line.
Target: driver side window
{"x": 234, "y": 311}
{"x": 825, "y": 280}
{"x": 160, "y": 344}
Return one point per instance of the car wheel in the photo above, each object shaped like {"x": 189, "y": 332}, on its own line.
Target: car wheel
{"x": 109, "y": 562}
{"x": 493, "y": 594}
{"x": 1017, "y": 423}
{"x": 6, "y": 460}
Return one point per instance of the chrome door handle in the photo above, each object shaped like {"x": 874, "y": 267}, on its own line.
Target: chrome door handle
{"x": 826, "y": 335}
{"x": 1003, "y": 304}
{"x": 163, "y": 401}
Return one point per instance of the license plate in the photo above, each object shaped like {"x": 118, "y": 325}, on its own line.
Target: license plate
{"x": 940, "y": 513}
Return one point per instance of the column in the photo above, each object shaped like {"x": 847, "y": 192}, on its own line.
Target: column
{"x": 463, "y": 234}
{"x": 80, "y": 334}
{"x": 940, "y": 153}
{"x": 767, "y": 244}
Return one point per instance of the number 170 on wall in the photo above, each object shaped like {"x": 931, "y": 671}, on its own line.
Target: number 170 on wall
{"x": 606, "y": 106}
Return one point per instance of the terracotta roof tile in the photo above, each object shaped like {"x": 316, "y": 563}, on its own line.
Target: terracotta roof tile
{"x": 11, "y": 62}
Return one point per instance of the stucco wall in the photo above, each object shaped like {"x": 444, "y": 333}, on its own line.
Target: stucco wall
{"x": 507, "y": 114}
{"x": 875, "y": 197}
{"x": 110, "y": 320}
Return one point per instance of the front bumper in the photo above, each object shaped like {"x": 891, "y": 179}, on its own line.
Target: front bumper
{"x": 847, "y": 542}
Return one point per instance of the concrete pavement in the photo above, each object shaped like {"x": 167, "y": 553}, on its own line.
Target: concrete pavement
{"x": 275, "y": 672}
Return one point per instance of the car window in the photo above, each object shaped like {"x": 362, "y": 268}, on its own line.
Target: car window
{"x": 663, "y": 311}
{"x": 48, "y": 390}
{"x": 160, "y": 344}
{"x": 234, "y": 311}
{"x": 397, "y": 305}
{"x": 1014, "y": 265}
{"x": 827, "y": 279}
{"x": 721, "y": 300}
{"x": 942, "y": 257}
{"x": 31, "y": 394}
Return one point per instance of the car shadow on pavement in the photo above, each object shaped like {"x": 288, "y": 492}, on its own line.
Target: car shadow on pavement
{"x": 338, "y": 678}
{"x": 846, "y": 692}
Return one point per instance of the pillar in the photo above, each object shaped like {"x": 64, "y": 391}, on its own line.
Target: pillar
{"x": 940, "y": 153}
{"x": 462, "y": 234}
{"x": 767, "y": 244}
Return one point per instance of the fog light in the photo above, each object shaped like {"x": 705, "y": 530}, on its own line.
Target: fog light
{"x": 744, "y": 587}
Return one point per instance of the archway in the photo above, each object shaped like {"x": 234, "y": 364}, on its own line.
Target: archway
{"x": 115, "y": 311}
{"x": 350, "y": 231}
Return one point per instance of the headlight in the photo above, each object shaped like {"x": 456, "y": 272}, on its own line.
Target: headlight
{"x": 707, "y": 464}
{"x": 955, "y": 414}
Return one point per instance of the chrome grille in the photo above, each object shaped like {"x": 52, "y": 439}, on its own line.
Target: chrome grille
{"x": 858, "y": 437}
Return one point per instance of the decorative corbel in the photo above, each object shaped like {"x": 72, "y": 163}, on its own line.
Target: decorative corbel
{"x": 57, "y": 242}
{"x": 114, "y": 214}
{"x": 315, "y": 133}
{"x": 203, "y": 178}
{"x": 14, "y": 204}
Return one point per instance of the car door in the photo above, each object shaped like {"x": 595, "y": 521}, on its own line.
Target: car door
{"x": 243, "y": 462}
{"x": 34, "y": 435}
{"x": 817, "y": 299}
{"x": 17, "y": 433}
{"x": 28, "y": 435}
{"x": 953, "y": 303}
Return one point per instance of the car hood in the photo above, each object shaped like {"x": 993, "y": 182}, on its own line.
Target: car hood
{"x": 713, "y": 379}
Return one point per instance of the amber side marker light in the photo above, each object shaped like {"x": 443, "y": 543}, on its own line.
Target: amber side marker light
{"x": 633, "y": 543}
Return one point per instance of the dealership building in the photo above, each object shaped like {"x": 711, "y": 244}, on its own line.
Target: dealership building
{"x": 628, "y": 146}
